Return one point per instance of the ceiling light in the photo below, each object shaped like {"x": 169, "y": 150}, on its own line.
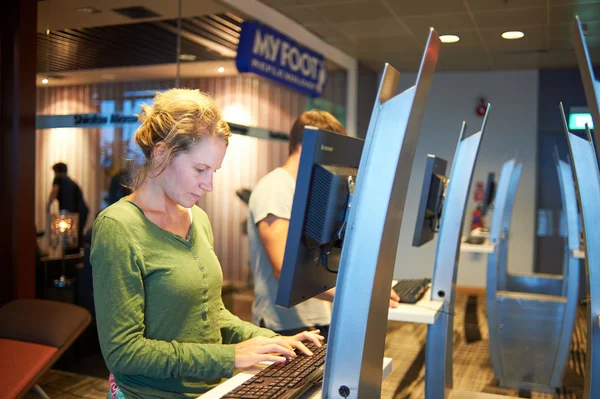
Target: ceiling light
{"x": 187, "y": 57}
{"x": 89, "y": 10}
{"x": 108, "y": 76}
{"x": 220, "y": 69}
{"x": 449, "y": 38}
{"x": 45, "y": 81}
{"x": 512, "y": 35}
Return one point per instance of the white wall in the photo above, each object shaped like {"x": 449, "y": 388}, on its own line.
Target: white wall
{"x": 511, "y": 129}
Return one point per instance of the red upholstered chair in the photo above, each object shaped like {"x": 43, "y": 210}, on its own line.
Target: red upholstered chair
{"x": 34, "y": 334}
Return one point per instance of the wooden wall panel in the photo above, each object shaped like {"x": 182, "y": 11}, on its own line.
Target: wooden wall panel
{"x": 18, "y": 23}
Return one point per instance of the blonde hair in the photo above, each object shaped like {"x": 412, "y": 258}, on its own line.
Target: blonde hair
{"x": 176, "y": 119}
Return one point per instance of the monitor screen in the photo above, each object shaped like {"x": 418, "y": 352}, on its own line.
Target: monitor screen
{"x": 490, "y": 193}
{"x": 431, "y": 201}
{"x": 326, "y": 175}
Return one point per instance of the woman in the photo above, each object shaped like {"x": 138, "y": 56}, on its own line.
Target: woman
{"x": 163, "y": 329}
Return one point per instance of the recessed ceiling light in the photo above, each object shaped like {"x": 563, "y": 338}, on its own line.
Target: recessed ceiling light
{"x": 45, "y": 81}
{"x": 108, "y": 76}
{"x": 512, "y": 35}
{"x": 220, "y": 69}
{"x": 89, "y": 10}
{"x": 187, "y": 57}
{"x": 449, "y": 38}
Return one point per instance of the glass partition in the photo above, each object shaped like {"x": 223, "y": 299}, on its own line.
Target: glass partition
{"x": 99, "y": 66}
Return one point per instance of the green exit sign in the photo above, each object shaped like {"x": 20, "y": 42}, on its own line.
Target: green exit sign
{"x": 578, "y": 120}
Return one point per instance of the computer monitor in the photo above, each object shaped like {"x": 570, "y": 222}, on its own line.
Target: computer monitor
{"x": 326, "y": 176}
{"x": 431, "y": 201}
{"x": 490, "y": 193}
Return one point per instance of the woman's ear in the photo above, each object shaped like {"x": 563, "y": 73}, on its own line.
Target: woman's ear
{"x": 159, "y": 155}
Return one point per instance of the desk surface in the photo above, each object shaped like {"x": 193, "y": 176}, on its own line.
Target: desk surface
{"x": 424, "y": 311}
{"x": 48, "y": 257}
{"x": 478, "y": 232}
{"x": 248, "y": 373}
{"x": 485, "y": 248}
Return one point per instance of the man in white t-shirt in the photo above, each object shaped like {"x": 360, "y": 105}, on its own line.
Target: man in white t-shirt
{"x": 270, "y": 209}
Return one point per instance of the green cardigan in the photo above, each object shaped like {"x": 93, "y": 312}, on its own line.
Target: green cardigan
{"x": 164, "y": 331}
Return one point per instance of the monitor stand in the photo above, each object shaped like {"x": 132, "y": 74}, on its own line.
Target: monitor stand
{"x": 439, "y": 344}
{"x": 359, "y": 322}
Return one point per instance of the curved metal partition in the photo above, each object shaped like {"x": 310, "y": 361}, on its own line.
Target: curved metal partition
{"x": 438, "y": 358}
{"x": 358, "y": 324}
{"x": 530, "y": 316}
{"x": 501, "y": 217}
{"x": 585, "y": 163}
{"x": 587, "y": 175}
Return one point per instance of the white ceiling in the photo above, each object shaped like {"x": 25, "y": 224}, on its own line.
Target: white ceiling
{"x": 394, "y": 31}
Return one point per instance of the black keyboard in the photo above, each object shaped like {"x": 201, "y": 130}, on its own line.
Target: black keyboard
{"x": 287, "y": 380}
{"x": 411, "y": 291}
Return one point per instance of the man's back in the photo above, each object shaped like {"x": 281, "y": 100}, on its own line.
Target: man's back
{"x": 67, "y": 193}
{"x": 274, "y": 195}
{"x": 70, "y": 198}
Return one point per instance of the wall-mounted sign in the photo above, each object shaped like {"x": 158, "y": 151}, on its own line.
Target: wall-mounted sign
{"x": 268, "y": 53}
{"x": 578, "y": 121}
{"x": 84, "y": 120}
{"x": 88, "y": 121}
{"x": 578, "y": 117}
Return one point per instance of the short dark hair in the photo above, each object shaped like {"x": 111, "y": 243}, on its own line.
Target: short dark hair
{"x": 59, "y": 167}
{"x": 317, "y": 118}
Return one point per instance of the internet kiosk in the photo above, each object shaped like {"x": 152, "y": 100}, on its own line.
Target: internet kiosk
{"x": 360, "y": 210}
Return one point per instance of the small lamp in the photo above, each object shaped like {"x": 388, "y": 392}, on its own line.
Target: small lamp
{"x": 64, "y": 234}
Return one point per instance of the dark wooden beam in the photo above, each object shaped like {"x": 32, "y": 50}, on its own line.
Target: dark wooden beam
{"x": 18, "y": 27}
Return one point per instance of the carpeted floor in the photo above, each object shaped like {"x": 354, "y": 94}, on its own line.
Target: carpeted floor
{"x": 405, "y": 344}
{"x": 472, "y": 368}
{"x": 64, "y": 385}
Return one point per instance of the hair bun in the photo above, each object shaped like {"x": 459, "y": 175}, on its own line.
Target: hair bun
{"x": 143, "y": 135}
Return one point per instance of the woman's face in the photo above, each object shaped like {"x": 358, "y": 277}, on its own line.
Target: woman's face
{"x": 190, "y": 174}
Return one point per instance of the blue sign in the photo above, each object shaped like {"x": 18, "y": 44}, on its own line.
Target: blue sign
{"x": 268, "y": 53}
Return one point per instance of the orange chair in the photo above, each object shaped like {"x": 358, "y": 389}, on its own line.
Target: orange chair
{"x": 34, "y": 334}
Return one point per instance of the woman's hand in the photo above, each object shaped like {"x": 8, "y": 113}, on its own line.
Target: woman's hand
{"x": 313, "y": 336}
{"x": 276, "y": 349}
{"x": 262, "y": 349}
{"x": 394, "y": 299}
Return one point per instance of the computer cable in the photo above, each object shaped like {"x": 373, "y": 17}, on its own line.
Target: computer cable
{"x": 323, "y": 257}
